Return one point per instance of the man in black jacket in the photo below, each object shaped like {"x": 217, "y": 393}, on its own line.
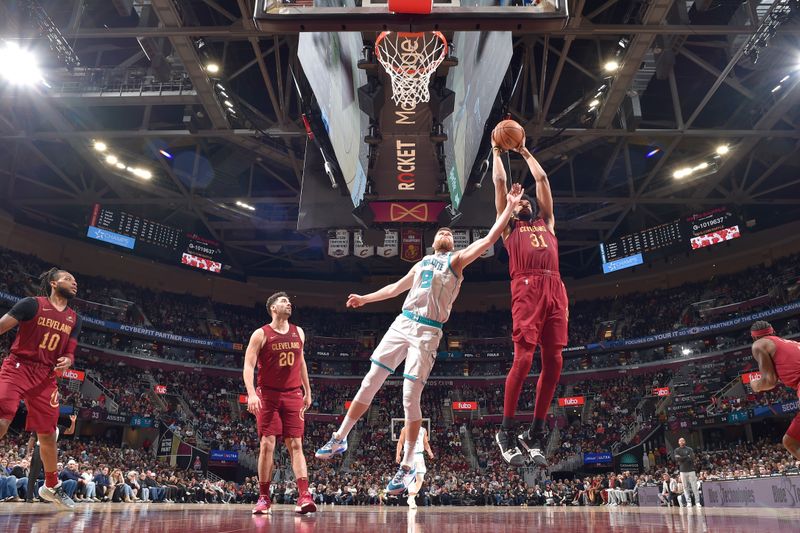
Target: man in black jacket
{"x": 685, "y": 457}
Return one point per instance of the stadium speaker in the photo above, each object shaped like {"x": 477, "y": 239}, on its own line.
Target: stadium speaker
{"x": 442, "y": 103}
{"x": 374, "y": 237}
{"x": 371, "y": 99}
{"x": 364, "y": 216}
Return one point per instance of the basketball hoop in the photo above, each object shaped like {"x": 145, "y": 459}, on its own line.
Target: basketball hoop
{"x": 410, "y": 59}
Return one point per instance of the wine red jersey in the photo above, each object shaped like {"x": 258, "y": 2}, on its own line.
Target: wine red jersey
{"x": 47, "y": 335}
{"x": 786, "y": 360}
{"x": 531, "y": 247}
{"x": 280, "y": 359}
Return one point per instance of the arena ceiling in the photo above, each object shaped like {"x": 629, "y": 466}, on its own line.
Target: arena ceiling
{"x": 142, "y": 89}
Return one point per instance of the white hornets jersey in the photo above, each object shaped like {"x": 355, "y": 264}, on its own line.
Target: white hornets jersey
{"x": 419, "y": 447}
{"x": 434, "y": 289}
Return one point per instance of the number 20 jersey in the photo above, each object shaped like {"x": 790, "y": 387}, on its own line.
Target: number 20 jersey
{"x": 45, "y": 337}
{"x": 280, "y": 359}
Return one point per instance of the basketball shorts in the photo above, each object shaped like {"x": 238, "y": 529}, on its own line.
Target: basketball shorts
{"x": 281, "y": 413}
{"x": 410, "y": 341}
{"x": 36, "y": 384}
{"x": 420, "y": 463}
{"x": 794, "y": 427}
{"x": 539, "y": 309}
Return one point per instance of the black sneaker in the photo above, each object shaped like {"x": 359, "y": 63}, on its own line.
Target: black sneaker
{"x": 511, "y": 455}
{"x": 57, "y": 496}
{"x": 533, "y": 445}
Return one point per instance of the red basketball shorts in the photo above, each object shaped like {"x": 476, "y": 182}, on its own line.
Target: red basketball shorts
{"x": 539, "y": 309}
{"x": 281, "y": 413}
{"x": 34, "y": 383}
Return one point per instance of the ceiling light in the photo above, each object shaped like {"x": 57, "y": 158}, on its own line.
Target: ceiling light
{"x": 723, "y": 149}
{"x": 245, "y": 205}
{"x": 121, "y": 166}
{"x": 224, "y": 94}
{"x": 144, "y": 174}
{"x": 220, "y": 87}
{"x": 653, "y": 152}
{"x": 682, "y": 172}
{"x": 111, "y": 159}
{"x": 686, "y": 351}
{"x": 228, "y": 103}
{"x": 701, "y": 166}
{"x": 594, "y": 103}
{"x": 784, "y": 78}
{"x": 165, "y": 154}
{"x": 212, "y": 68}
{"x": 19, "y": 66}
{"x": 100, "y": 146}
{"x": 776, "y": 88}
{"x": 611, "y": 66}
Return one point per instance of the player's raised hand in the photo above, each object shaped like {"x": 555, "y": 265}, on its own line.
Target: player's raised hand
{"x": 253, "y": 403}
{"x": 515, "y": 195}
{"x": 355, "y": 300}
{"x": 63, "y": 363}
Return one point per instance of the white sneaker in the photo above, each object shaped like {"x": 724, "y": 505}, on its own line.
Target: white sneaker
{"x": 57, "y": 496}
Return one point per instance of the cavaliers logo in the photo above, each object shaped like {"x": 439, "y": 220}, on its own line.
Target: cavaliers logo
{"x": 54, "y": 399}
{"x": 401, "y": 213}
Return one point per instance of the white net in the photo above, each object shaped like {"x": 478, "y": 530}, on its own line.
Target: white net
{"x": 410, "y": 59}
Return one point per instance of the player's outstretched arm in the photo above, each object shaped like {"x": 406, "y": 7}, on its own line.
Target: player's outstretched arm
{"x": 250, "y": 359}
{"x": 390, "y": 291}
{"x": 469, "y": 254}
{"x": 304, "y": 373}
{"x": 544, "y": 196}
{"x": 499, "y": 179}
{"x": 762, "y": 351}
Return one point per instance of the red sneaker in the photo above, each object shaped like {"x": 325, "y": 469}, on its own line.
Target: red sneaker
{"x": 263, "y": 506}
{"x": 305, "y": 504}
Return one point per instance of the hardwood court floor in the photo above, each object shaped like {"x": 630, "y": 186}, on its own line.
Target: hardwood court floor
{"x": 167, "y": 518}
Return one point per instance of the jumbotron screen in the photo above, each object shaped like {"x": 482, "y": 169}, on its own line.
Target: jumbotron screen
{"x": 153, "y": 239}
{"x": 697, "y": 231}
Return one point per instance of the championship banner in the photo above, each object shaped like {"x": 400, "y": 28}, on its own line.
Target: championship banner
{"x": 480, "y": 234}
{"x": 338, "y": 243}
{"x": 661, "y": 391}
{"x": 751, "y": 376}
{"x": 465, "y": 406}
{"x": 460, "y": 239}
{"x": 411, "y": 245}
{"x": 77, "y": 375}
{"x": 359, "y": 248}
{"x": 390, "y": 244}
{"x": 160, "y": 389}
{"x": 408, "y": 212}
{"x": 571, "y": 401}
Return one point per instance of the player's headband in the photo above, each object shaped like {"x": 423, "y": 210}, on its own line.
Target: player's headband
{"x": 757, "y": 333}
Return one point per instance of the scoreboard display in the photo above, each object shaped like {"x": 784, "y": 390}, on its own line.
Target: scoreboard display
{"x": 153, "y": 239}
{"x": 691, "y": 233}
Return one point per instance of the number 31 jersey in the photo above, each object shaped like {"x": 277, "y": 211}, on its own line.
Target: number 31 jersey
{"x": 280, "y": 359}
{"x": 531, "y": 247}
{"x": 44, "y": 336}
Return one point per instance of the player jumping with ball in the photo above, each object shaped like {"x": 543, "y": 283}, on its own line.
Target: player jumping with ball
{"x": 539, "y": 306}
{"x": 432, "y": 285}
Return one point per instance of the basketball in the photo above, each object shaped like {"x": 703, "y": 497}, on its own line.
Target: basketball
{"x": 508, "y": 134}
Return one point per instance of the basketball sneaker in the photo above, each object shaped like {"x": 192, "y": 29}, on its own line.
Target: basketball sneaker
{"x": 332, "y": 448}
{"x": 511, "y": 454}
{"x": 57, "y": 496}
{"x": 305, "y": 504}
{"x": 263, "y": 506}
{"x": 533, "y": 445}
{"x": 404, "y": 477}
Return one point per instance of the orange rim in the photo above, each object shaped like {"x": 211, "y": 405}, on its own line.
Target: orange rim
{"x": 411, "y": 35}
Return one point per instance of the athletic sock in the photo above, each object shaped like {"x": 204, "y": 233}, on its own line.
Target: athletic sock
{"x": 50, "y": 479}
{"x": 344, "y": 429}
{"x": 537, "y": 427}
{"x": 263, "y": 489}
{"x": 302, "y": 485}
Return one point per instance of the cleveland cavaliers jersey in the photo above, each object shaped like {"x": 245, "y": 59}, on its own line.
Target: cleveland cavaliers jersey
{"x": 786, "y": 360}
{"x": 45, "y": 337}
{"x": 419, "y": 446}
{"x": 280, "y": 359}
{"x": 531, "y": 247}
{"x": 434, "y": 288}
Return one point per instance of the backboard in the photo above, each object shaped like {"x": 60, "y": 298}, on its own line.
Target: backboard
{"x": 290, "y": 16}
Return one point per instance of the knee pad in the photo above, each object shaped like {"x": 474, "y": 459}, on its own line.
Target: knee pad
{"x": 412, "y": 394}
{"x": 371, "y": 383}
